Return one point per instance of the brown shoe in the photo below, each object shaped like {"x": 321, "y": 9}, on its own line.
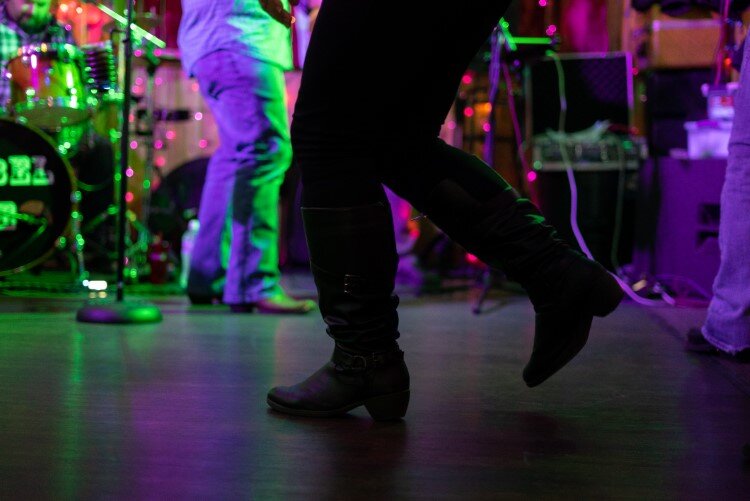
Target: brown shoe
{"x": 280, "y": 304}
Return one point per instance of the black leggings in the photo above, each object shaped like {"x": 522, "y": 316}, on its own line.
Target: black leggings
{"x": 379, "y": 79}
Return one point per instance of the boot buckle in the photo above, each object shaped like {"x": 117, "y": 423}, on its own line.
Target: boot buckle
{"x": 349, "y": 361}
{"x": 358, "y": 362}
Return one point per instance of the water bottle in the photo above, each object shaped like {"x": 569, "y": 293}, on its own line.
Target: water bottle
{"x": 188, "y": 243}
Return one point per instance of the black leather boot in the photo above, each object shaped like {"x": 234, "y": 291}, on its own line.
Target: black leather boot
{"x": 353, "y": 260}
{"x": 508, "y": 232}
{"x": 379, "y": 381}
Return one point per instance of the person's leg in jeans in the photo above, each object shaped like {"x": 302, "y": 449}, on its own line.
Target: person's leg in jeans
{"x": 401, "y": 64}
{"x": 727, "y": 326}
{"x": 238, "y": 236}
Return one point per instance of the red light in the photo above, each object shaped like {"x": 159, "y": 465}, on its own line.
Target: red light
{"x": 472, "y": 259}
{"x": 469, "y": 112}
{"x": 531, "y": 176}
{"x": 467, "y": 79}
{"x": 129, "y": 197}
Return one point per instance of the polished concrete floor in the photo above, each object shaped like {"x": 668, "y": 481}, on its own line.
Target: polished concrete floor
{"x": 177, "y": 410}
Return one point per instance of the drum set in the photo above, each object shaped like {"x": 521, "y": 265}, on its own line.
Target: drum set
{"x": 62, "y": 96}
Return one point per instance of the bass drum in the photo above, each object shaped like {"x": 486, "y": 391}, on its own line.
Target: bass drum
{"x": 37, "y": 197}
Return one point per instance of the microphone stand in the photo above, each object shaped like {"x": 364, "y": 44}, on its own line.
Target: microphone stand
{"x": 121, "y": 311}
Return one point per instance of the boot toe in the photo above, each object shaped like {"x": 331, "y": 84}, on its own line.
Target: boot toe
{"x": 289, "y": 400}
{"x": 562, "y": 327}
{"x": 558, "y": 339}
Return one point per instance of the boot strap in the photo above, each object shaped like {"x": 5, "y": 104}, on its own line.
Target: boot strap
{"x": 347, "y": 361}
{"x": 353, "y": 285}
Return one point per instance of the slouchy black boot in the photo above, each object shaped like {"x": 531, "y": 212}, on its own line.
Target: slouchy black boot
{"x": 353, "y": 259}
{"x": 479, "y": 210}
{"x": 508, "y": 232}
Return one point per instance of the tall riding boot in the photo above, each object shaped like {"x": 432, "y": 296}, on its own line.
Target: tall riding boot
{"x": 479, "y": 210}
{"x": 508, "y": 232}
{"x": 353, "y": 259}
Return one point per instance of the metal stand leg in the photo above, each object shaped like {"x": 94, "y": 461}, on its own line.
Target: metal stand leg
{"x": 489, "y": 278}
{"x": 78, "y": 243}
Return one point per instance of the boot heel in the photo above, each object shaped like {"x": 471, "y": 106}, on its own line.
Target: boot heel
{"x": 388, "y": 407}
{"x": 606, "y": 296}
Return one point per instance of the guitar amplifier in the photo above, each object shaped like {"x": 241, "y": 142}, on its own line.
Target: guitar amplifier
{"x": 683, "y": 43}
{"x": 598, "y": 87}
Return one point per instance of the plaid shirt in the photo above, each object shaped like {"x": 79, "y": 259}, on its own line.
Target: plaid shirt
{"x": 12, "y": 37}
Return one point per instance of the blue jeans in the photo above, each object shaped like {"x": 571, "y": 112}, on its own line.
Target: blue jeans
{"x": 727, "y": 325}
{"x": 237, "y": 245}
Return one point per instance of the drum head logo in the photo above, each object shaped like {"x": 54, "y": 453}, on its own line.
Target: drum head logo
{"x": 24, "y": 171}
{"x": 8, "y": 212}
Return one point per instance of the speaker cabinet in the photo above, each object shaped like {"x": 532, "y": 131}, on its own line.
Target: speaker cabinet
{"x": 678, "y": 219}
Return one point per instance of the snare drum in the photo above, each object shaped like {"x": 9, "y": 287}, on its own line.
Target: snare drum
{"x": 48, "y": 86}
{"x": 37, "y": 197}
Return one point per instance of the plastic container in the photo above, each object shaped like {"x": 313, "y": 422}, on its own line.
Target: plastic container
{"x": 186, "y": 251}
{"x": 708, "y": 138}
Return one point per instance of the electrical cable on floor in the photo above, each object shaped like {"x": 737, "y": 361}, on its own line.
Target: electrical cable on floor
{"x": 564, "y": 154}
{"x": 619, "y": 207}
{"x": 574, "y": 189}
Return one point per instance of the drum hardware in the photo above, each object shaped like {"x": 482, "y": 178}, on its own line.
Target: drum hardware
{"x": 108, "y": 106}
{"x": 136, "y": 248}
{"x": 103, "y": 81}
